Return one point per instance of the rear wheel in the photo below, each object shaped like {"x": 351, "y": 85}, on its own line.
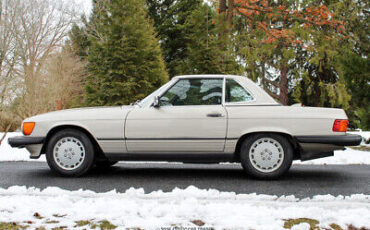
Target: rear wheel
{"x": 266, "y": 156}
{"x": 70, "y": 152}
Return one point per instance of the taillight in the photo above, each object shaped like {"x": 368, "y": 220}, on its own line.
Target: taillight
{"x": 27, "y": 127}
{"x": 340, "y": 125}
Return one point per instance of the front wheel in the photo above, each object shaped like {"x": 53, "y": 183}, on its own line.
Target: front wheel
{"x": 266, "y": 156}
{"x": 70, "y": 152}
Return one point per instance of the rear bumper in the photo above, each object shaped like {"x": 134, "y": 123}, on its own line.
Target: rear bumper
{"x": 343, "y": 140}
{"x": 313, "y": 147}
{"x": 22, "y": 141}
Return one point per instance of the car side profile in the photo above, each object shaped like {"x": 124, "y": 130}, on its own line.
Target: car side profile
{"x": 190, "y": 119}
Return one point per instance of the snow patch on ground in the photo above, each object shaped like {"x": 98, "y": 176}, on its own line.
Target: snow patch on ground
{"x": 365, "y": 135}
{"x": 301, "y": 226}
{"x": 8, "y": 153}
{"x": 180, "y": 207}
{"x": 348, "y": 156}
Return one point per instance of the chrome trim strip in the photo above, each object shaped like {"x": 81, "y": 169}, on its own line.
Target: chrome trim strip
{"x": 167, "y": 139}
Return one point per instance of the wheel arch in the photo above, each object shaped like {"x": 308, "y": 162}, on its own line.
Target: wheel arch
{"x": 58, "y": 128}
{"x": 289, "y": 137}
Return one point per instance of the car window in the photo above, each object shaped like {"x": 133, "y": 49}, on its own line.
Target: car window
{"x": 194, "y": 92}
{"x": 235, "y": 92}
{"x": 150, "y": 97}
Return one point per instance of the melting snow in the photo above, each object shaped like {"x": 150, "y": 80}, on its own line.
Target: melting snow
{"x": 158, "y": 209}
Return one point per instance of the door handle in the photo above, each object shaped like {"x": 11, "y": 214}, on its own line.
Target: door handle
{"x": 215, "y": 115}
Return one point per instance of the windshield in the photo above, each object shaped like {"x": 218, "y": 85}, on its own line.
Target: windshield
{"x": 149, "y": 99}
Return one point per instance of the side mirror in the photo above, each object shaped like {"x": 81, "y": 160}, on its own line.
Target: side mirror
{"x": 156, "y": 103}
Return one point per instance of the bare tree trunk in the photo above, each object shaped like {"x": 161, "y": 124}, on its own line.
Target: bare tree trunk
{"x": 222, "y": 6}
{"x": 227, "y": 8}
{"x": 6, "y": 132}
{"x": 230, "y": 12}
{"x": 283, "y": 85}
{"x": 316, "y": 89}
{"x": 40, "y": 28}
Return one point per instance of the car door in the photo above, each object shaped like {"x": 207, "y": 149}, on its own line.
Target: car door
{"x": 190, "y": 118}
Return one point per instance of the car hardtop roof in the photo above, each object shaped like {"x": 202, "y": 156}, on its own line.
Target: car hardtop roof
{"x": 207, "y": 76}
{"x": 260, "y": 96}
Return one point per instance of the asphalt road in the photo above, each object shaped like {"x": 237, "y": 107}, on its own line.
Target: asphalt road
{"x": 301, "y": 181}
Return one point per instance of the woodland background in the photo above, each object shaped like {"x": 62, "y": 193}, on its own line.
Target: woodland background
{"x": 299, "y": 51}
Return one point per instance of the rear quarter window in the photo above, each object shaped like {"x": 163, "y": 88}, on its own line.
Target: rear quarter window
{"x": 234, "y": 92}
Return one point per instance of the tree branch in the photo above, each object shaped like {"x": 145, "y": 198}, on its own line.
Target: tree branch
{"x": 271, "y": 94}
{"x": 6, "y": 131}
{"x": 270, "y": 82}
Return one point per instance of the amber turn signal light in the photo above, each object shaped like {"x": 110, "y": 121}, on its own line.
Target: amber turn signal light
{"x": 27, "y": 128}
{"x": 340, "y": 125}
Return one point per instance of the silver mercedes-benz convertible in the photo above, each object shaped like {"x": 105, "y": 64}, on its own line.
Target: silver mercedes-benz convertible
{"x": 190, "y": 119}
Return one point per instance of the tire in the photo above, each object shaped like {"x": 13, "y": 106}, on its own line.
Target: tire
{"x": 105, "y": 164}
{"x": 266, "y": 156}
{"x": 70, "y": 152}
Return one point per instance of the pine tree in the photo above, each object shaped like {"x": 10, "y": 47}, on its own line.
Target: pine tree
{"x": 273, "y": 32}
{"x": 356, "y": 72}
{"x": 354, "y": 60}
{"x": 169, "y": 19}
{"x": 125, "y": 59}
{"x": 340, "y": 70}
{"x": 321, "y": 82}
{"x": 78, "y": 38}
{"x": 208, "y": 50}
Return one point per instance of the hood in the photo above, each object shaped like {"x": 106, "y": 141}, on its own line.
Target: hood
{"x": 88, "y": 113}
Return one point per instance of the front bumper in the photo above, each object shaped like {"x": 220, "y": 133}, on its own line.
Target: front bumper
{"x": 343, "y": 140}
{"x": 23, "y": 141}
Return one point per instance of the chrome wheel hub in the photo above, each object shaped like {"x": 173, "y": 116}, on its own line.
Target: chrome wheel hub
{"x": 266, "y": 155}
{"x": 69, "y": 153}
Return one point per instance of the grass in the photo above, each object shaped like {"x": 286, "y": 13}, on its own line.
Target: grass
{"x": 81, "y": 223}
{"x": 52, "y": 222}
{"x": 59, "y": 216}
{"x": 335, "y": 227}
{"x": 289, "y": 223}
{"x": 361, "y": 148}
{"x": 11, "y": 226}
{"x": 351, "y": 227}
{"x": 60, "y": 228}
{"x": 104, "y": 224}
